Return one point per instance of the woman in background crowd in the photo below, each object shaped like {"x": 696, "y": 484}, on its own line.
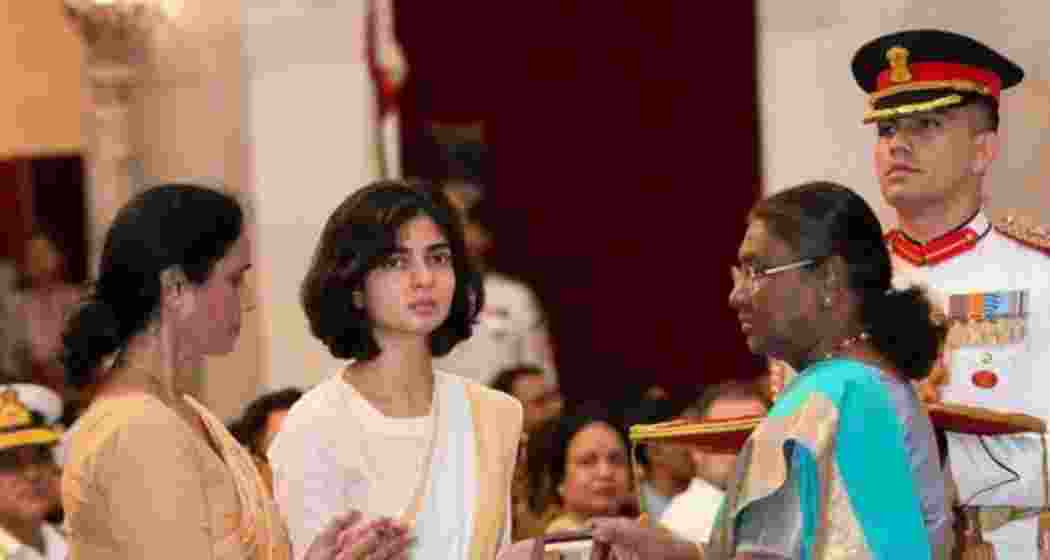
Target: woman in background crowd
{"x": 579, "y": 469}
{"x": 259, "y": 424}
{"x": 42, "y": 304}
{"x": 541, "y": 401}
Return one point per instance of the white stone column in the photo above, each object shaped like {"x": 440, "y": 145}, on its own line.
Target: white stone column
{"x": 116, "y": 37}
{"x": 308, "y": 119}
{"x": 108, "y": 150}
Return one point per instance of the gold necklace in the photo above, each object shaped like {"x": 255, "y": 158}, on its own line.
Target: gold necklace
{"x": 846, "y": 343}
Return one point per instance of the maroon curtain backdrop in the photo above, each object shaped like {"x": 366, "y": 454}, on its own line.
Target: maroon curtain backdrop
{"x": 623, "y": 159}
{"x": 44, "y": 193}
{"x": 13, "y": 222}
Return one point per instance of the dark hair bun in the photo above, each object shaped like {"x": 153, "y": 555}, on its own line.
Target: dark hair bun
{"x": 903, "y": 329}
{"x": 92, "y": 333}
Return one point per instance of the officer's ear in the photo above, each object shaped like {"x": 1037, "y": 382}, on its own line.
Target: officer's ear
{"x": 985, "y": 151}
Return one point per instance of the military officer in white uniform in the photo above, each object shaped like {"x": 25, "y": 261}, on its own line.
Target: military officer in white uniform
{"x": 511, "y": 330}
{"x": 934, "y": 98}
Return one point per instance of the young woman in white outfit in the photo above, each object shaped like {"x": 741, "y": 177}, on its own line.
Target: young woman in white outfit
{"x": 389, "y": 288}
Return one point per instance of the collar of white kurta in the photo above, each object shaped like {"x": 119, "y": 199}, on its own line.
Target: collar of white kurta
{"x": 954, "y": 243}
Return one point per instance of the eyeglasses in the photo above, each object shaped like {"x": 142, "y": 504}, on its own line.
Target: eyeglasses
{"x": 750, "y": 275}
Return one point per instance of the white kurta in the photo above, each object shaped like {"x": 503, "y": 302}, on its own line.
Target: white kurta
{"x": 336, "y": 452}
{"x": 997, "y": 264}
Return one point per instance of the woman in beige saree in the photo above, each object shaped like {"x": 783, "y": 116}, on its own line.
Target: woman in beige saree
{"x": 151, "y": 473}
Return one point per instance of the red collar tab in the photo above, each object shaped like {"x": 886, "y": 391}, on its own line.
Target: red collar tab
{"x": 937, "y": 250}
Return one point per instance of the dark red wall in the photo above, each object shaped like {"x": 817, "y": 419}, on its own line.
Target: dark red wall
{"x": 44, "y": 193}
{"x": 623, "y": 152}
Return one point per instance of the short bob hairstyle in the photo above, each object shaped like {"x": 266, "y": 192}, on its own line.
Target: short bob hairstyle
{"x": 358, "y": 236}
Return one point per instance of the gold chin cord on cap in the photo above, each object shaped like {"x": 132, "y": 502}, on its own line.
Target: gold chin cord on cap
{"x": 903, "y": 110}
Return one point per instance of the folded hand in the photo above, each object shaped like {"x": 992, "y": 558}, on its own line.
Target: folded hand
{"x": 349, "y": 537}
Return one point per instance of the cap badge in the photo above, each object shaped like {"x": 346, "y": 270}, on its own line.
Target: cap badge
{"x": 898, "y": 58}
{"x": 12, "y": 412}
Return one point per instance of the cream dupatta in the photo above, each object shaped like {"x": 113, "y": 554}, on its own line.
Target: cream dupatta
{"x": 261, "y": 530}
{"x": 497, "y": 427}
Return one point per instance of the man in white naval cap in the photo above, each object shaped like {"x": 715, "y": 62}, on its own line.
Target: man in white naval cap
{"x": 28, "y": 473}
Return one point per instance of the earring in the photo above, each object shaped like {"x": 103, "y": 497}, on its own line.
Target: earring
{"x": 827, "y": 301}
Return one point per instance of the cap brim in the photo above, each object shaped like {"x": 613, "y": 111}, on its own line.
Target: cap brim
{"x": 912, "y": 102}
{"x": 724, "y": 436}
{"x": 31, "y": 436}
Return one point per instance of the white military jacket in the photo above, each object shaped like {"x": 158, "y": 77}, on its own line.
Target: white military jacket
{"x": 993, "y": 283}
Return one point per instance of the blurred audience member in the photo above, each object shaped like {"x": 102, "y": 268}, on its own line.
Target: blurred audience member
{"x": 511, "y": 328}
{"x": 10, "y": 323}
{"x": 691, "y": 515}
{"x": 656, "y": 392}
{"x": 261, "y": 421}
{"x": 541, "y": 401}
{"x": 579, "y": 470}
{"x": 43, "y": 302}
{"x": 28, "y": 473}
{"x": 665, "y": 468}
{"x": 540, "y": 398}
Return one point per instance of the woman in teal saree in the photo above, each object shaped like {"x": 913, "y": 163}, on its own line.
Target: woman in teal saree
{"x": 846, "y": 464}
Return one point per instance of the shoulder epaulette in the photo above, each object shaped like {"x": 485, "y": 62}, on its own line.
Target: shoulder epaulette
{"x": 1025, "y": 231}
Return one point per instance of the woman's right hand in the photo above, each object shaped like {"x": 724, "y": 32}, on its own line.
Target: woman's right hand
{"x": 349, "y": 537}
{"x": 630, "y": 539}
